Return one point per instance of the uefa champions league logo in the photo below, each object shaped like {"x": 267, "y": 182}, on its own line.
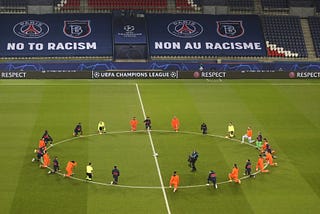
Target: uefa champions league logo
{"x": 128, "y": 28}
{"x": 31, "y": 29}
{"x": 185, "y": 28}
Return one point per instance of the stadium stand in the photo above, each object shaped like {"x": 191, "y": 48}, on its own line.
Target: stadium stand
{"x": 67, "y": 5}
{"x": 284, "y": 36}
{"x": 275, "y": 4}
{"x": 244, "y": 5}
{"x": 188, "y": 5}
{"x": 214, "y": 2}
{"x": 301, "y": 3}
{"x": 149, "y": 5}
{"x": 314, "y": 24}
{"x": 13, "y": 6}
{"x": 317, "y": 5}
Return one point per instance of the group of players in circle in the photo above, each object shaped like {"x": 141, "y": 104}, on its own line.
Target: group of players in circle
{"x": 266, "y": 154}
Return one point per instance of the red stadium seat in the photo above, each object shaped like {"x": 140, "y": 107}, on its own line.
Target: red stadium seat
{"x": 128, "y": 4}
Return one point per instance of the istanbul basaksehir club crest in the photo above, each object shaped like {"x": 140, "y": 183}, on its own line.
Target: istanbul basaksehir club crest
{"x": 77, "y": 28}
{"x": 185, "y": 28}
{"x": 30, "y": 29}
{"x": 230, "y": 29}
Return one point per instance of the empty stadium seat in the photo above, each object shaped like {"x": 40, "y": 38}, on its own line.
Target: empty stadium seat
{"x": 72, "y": 5}
{"x": 314, "y": 24}
{"x": 275, "y": 4}
{"x": 243, "y": 5}
{"x": 188, "y": 5}
{"x": 150, "y": 5}
{"x": 284, "y": 35}
{"x": 13, "y": 6}
{"x": 317, "y": 5}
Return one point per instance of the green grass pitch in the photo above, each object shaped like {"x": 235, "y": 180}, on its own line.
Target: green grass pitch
{"x": 285, "y": 111}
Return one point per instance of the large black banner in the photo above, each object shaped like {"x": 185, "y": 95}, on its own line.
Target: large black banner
{"x": 156, "y": 74}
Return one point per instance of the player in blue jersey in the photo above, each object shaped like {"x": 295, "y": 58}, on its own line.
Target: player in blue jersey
{"x": 77, "y": 130}
{"x": 47, "y": 138}
{"x": 204, "y": 128}
{"x": 115, "y": 174}
{"x": 212, "y": 178}
{"x": 147, "y": 123}
{"x": 248, "y": 169}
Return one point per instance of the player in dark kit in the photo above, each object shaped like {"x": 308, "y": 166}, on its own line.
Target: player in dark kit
{"x": 77, "y": 130}
{"x": 212, "y": 178}
{"x": 204, "y": 128}
{"x": 56, "y": 167}
{"x": 248, "y": 169}
{"x": 192, "y": 160}
{"x": 147, "y": 123}
{"x": 115, "y": 174}
{"x": 39, "y": 154}
{"x": 47, "y": 138}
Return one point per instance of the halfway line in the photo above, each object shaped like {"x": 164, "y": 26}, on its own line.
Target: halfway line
{"x": 154, "y": 152}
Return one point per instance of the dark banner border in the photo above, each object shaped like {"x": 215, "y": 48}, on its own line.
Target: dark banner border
{"x": 157, "y": 74}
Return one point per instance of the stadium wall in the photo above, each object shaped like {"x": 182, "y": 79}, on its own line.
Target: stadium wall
{"x": 159, "y": 70}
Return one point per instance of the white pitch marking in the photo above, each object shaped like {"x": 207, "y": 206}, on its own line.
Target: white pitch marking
{"x": 154, "y": 156}
{"x": 149, "y": 187}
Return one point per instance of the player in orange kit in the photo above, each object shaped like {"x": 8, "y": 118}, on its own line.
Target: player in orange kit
{"x": 46, "y": 160}
{"x": 174, "y": 180}
{"x": 264, "y": 146}
{"x": 69, "y": 168}
{"x": 233, "y": 176}
{"x": 248, "y": 135}
{"x": 175, "y": 123}
{"x": 260, "y": 165}
{"x": 269, "y": 159}
{"x": 42, "y": 144}
{"x": 134, "y": 123}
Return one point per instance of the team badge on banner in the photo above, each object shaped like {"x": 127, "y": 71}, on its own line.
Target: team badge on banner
{"x": 185, "y": 28}
{"x": 230, "y": 29}
{"x": 31, "y": 29}
{"x": 77, "y": 28}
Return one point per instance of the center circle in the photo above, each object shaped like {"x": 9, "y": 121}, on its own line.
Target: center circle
{"x": 124, "y": 148}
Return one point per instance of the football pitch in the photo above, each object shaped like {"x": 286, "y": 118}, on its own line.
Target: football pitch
{"x": 285, "y": 111}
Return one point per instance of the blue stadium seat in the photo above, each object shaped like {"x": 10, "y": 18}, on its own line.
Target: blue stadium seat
{"x": 314, "y": 24}
{"x": 13, "y": 6}
{"x": 317, "y": 5}
{"x": 241, "y": 5}
{"x": 150, "y": 5}
{"x": 274, "y": 4}
{"x": 285, "y": 33}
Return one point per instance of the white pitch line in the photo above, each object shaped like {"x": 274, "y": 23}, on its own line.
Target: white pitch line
{"x": 149, "y": 187}
{"x": 154, "y": 156}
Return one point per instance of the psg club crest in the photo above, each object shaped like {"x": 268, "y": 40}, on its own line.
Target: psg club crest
{"x": 185, "y": 28}
{"x": 77, "y": 28}
{"x": 230, "y": 29}
{"x": 31, "y": 29}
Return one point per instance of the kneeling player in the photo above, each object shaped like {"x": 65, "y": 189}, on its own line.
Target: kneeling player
{"x": 233, "y": 176}
{"x": 101, "y": 127}
{"x": 212, "y": 178}
{"x": 77, "y": 130}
